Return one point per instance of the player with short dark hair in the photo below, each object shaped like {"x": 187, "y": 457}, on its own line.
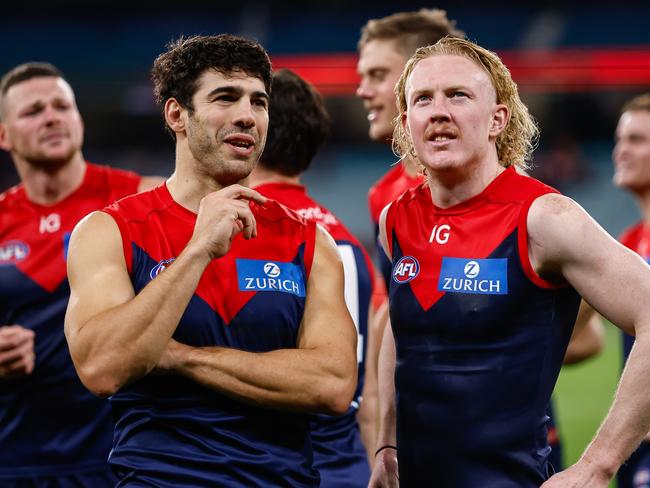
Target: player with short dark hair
{"x": 213, "y": 317}
{"x": 54, "y": 432}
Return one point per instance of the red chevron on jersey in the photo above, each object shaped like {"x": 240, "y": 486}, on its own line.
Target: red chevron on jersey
{"x": 154, "y": 224}
{"x": 473, "y": 230}
{"x": 34, "y": 237}
{"x": 389, "y": 187}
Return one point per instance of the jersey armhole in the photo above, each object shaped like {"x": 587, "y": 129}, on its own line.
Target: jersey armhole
{"x": 125, "y": 235}
{"x": 310, "y": 244}
{"x": 522, "y": 246}
{"x": 389, "y": 225}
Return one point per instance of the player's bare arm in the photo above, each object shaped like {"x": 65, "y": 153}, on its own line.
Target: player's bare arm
{"x": 318, "y": 376}
{"x": 565, "y": 243}
{"x": 368, "y": 415}
{"x": 588, "y": 338}
{"x": 116, "y": 337}
{"x": 384, "y": 472}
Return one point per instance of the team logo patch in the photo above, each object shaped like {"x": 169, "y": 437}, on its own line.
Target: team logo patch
{"x": 13, "y": 251}
{"x": 263, "y": 275}
{"x": 406, "y": 269}
{"x": 160, "y": 267}
{"x": 477, "y": 276}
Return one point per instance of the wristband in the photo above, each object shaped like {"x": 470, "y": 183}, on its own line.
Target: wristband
{"x": 387, "y": 446}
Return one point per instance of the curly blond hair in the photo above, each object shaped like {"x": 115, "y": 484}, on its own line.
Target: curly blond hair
{"x": 516, "y": 143}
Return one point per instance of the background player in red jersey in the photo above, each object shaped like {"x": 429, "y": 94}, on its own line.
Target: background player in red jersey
{"x": 384, "y": 47}
{"x": 241, "y": 378}
{"x": 462, "y": 118}
{"x": 52, "y": 430}
{"x": 298, "y": 125}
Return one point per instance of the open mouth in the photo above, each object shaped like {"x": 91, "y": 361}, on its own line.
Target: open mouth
{"x": 241, "y": 143}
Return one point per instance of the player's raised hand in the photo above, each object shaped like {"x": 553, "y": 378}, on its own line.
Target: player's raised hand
{"x": 16, "y": 351}
{"x": 222, "y": 215}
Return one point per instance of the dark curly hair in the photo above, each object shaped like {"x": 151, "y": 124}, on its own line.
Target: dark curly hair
{"x": 298, "y": 125}
{"x": 176, "y": 72}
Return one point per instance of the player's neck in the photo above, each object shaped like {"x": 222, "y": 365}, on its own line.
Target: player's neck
{"x": 411, "y": 167}
{"x": 262, "y": 176}
{"x": 50, "y": 185}
{"x": 643, "y": 200}
{"x": 456, "y": 185}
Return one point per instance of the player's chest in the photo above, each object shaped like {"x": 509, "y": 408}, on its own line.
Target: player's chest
{"x": 34, "y": 243}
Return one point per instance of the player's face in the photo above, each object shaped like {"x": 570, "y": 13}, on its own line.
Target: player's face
{"x": 380, "y": 66}
{"x": 227, "y": 130}
{"x": 451, "y": 107}
{"x": 632, "y": 151}
{"x": 41, "y": 123}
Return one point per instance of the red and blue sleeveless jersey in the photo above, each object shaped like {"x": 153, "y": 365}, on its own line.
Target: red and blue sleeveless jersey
{"x": 49, "y": 423}
{"x": 339, "y": 454}
{"x": 636, "y": 238}
{"x": 480, "y": 338}
{"x": 395, "y": 182}
{"x": 171, "y": 431}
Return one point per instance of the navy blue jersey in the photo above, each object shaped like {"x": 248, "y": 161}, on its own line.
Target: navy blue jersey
{"x": 480, "y": 339}
{"x": 50, "y": 424}
{"x": 171, "y": 431}
{"x": 339, "y": 454}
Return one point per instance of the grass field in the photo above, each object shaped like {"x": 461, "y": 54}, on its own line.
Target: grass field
{"x": 583, "y": 395}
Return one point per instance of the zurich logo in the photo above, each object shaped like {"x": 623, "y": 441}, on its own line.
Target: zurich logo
{"x": 160, "y": 267}
{"x": 406, "y": 269}
{"x": 271, "y": 270}
{"x": 472, "y": 269}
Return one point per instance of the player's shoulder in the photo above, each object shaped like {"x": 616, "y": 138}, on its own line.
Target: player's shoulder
{"x": 12, "y": 198}
{"x": 108, "y": 177}
{"x": 138, "y": 205}
{"x": 517, "y": 186}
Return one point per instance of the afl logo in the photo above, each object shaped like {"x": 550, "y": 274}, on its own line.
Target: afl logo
{"x": 472, "y": 269}
{"x": 406, "y": 269}
{"x": 160, "y": 267}
{"x": 13, "y": 251}
{"x": 271, "y": 270}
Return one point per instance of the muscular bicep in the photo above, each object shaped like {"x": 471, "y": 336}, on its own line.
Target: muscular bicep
{"x": 564, "y": 239}
{"x": 97, "y": 271}
{"x": 327, "y": 323}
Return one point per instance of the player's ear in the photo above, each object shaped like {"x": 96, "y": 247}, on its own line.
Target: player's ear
{"x": 175, "y": 115}
{"x": 500, "y": 119}
{"x": 4, "y": 138}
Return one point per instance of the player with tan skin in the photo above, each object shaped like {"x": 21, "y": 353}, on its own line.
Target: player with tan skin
{"x": 116, "y": 337}
{"x": 40, "y": 126}
{"x": 452, "y": 122}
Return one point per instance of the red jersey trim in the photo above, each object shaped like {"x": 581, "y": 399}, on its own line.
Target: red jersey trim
{"x": 522, "y": 244}
{"x": 310, "y": 244}
{"x": 125, "y": 235}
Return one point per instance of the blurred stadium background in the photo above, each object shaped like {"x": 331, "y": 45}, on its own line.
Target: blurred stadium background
{"x": 575, "y": 64}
